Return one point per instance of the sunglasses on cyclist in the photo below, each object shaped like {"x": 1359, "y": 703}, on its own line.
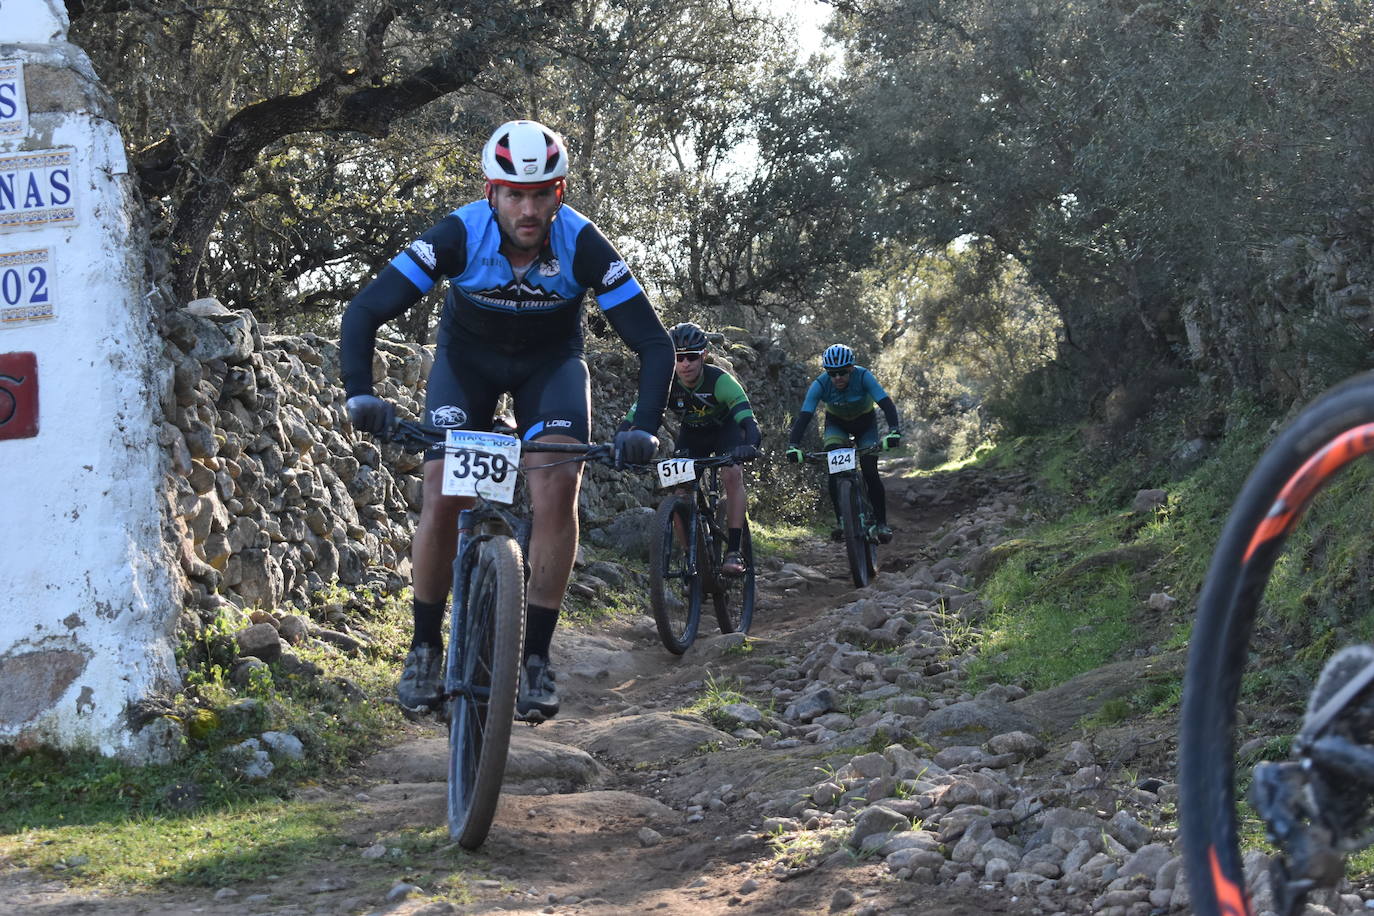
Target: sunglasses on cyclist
{"x": 836, "y": 373}
{"x": 688, "y": 356}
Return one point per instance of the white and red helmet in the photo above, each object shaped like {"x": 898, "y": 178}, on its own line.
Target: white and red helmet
{"x": 525, "y": 154}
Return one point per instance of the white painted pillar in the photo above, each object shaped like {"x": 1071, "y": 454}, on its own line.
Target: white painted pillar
{"x": 88, "y": 596}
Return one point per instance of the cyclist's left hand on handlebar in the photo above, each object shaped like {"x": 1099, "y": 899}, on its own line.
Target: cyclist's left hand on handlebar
{"x": 371, "y": 414}
{"x": 892, "y": 440}
{"x": 795, "y": 454}
{"x": 744, "y": 452}
{"x": 634, "y": 446}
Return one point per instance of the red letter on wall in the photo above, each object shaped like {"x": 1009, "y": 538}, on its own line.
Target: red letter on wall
{"x": 18, "y": 395}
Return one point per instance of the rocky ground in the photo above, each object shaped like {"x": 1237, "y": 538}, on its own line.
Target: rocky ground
{"x": 856, "y": 777}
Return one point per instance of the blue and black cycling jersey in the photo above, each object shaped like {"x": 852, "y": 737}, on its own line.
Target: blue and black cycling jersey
{"x": 489, "y": 306}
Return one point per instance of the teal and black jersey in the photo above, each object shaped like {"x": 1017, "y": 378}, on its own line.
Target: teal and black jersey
{"x": 717, "y": 399}
{"x": 848, "y": 411}
{"x": 860, "y": 397}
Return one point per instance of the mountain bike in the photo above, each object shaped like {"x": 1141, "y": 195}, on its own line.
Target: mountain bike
{"x": 857, "y": 521}
{"x": 487, "y": 610}
{"x": 1315, "y": 806}
{"x": 686, "y": 553}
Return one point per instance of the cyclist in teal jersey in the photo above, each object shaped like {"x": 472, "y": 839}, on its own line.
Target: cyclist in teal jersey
{"x": 850, "y": 393}
{"x": 716, "y": 420}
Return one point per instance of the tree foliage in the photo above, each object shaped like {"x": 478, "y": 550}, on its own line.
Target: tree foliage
{"x": 1127, "y": 154}
{"x": 290, "y": 148}
{"x": 205, "y": 92}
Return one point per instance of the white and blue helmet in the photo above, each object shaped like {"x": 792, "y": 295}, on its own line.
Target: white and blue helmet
{"x": 837, "y": 356}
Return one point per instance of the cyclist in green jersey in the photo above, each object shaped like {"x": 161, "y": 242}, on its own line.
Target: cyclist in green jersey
{"x": 716, "y": 420}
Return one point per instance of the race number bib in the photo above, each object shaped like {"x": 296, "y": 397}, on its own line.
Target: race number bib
{"x": 676, "y": 470}
{"x": 840, "y": 459}
{"x": 481, "y": 464}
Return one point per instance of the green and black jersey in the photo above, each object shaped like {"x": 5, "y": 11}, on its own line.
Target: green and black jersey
{"x": 716, "y": 399}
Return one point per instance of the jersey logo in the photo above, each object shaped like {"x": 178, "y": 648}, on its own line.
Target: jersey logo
{"x": 518, "y": 296}
{"x": 614, "y": 272}
{"x": 549, "y": 268}
{"x": 424, "y": 251}
{"x": 448, "y": 416}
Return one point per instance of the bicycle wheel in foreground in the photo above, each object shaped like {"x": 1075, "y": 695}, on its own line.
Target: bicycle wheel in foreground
{"x": 734, "y": 595}
{"x": 485, "y": 649}
{"x": 675, "y": 589}
{"x": 856, "y": 546}
{"x": 1315, "y": 806}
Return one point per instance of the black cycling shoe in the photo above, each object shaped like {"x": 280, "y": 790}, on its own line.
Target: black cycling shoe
{"x": 837, "y": 534}
{"x": 422, "y": 682}
{"x": 884, "y": 533}
{"x": 538, "y": 696}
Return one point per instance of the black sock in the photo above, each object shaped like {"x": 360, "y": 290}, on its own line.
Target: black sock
{"x": 732, "y": 543}
{"x": 429, "y": 624}
{"x": 539, "y": 627}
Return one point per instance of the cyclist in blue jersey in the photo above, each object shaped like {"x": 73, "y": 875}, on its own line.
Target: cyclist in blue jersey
{"x": 850, "y": 393}
{"x": 519, "y": 264}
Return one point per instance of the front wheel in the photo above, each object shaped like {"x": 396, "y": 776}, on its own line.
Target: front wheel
{"x": 858, "y": 550}
{"x": 483, "y": 675}
{"x": 675, "y": 587}
{"x": 1313, "y": 803}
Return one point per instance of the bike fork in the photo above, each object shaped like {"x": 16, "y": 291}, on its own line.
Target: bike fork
{"x": 463, "y": 560}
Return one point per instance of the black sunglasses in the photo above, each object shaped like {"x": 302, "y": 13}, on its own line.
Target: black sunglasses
{"x": 833, "y": 373}
{"x": 688, "y": 356}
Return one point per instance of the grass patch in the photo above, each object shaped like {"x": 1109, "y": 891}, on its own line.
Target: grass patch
{"x": 716, "y": 695}
{"x": 197, "y": 820}
{"x": 1039, "y": 636}
{"x": 796, "y": 850}
{"x": 778, "y": 538}
{"x": 240, "y": 842}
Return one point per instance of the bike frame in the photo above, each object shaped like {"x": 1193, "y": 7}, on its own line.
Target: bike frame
{"x": 704, "y": 500}
{"x": 479, "y": 522}
{"x": 856, "y": 477}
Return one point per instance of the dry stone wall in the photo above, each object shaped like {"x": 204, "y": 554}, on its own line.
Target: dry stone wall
{"x": 272, "y": 495}
{"x": 1304, "y": 326}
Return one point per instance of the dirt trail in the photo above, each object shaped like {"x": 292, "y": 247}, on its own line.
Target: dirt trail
{"x": 627, "y": 844}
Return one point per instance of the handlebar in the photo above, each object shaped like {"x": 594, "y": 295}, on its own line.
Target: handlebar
{"x": 416, "y": 437}
{"x": 823, "y": 457}
{"x": 713, "y": 461}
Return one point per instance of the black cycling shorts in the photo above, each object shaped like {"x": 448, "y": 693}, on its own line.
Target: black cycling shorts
{"x": 863, "y": 429}
{"x": 705, "y": 441}
{"x": 551, "y": 389}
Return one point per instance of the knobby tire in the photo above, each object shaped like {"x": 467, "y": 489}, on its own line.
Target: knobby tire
{"x": 856, "y": 546}
{"x": 486, "y": 643}
{"x": 675, "y": 592}
{"x": 1322, "y": 439}
{"x": 868, "y": 520}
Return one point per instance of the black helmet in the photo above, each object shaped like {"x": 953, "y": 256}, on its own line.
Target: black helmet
{"x": 688, "y": 337}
